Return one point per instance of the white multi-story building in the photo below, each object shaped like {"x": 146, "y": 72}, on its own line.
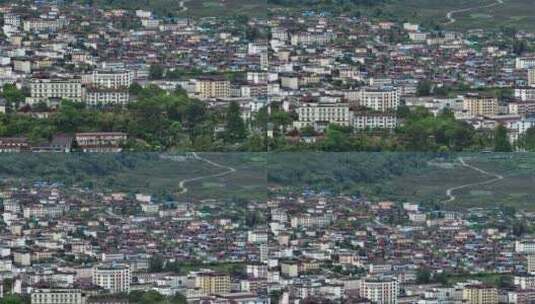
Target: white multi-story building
{"x": 525, "y": 93}
{"x": 531, "y": 263}
{"x": 12, "y": 20}
{"x": 42, "y": 211}
{"x": 531, "y": 77}
{"x": 307, "y": 220}
{"x": 522, "y": 108}
{"x": 42, "y": 90}
{"x": 115, "y": 278}
{"x": 526, "y": 281}
{"x": 526, "y": 247}
{"x": 95, "y": 97}
{"x": 110, "y": 79}
{"x": 525, "y": 62}
{"x": 311, "y": 38}
{"x": 327, "y": 113}
{"x": 380, "y": 290}
{"x": 257, "y": 236}
{"x": 519, "y": 127}
{"x": 379, "y": 98}
{"x": 371, "y": 120}
{"x": 57, "y": 296}
{"x": 37, "y": 25}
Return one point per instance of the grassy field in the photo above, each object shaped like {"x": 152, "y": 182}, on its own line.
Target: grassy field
{"x": 517, "y": 13}
{"x": 142, "y": 172}
{"x": 248, "y": 182}
{"x": 415, "y": 177}
{"x": 219, "y": 8}
{"x": 513, "y": 13}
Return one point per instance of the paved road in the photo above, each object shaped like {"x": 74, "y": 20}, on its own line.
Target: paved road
{"x": 228, "y": 170}
{"x": 450, "y": 14}
{"x": 495, "y": 178}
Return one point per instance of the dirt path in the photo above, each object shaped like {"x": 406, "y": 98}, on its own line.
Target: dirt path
{"x": 450, "y": 14}
{"x": 183, "y": 8}
{"x": 495, "y": 178}
{"x": 228, "y": 170}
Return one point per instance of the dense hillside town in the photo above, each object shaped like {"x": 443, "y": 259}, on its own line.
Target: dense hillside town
{"x": 113, "y": 78}
{"x": 257, "y": 83}
{"x": 73, "y": 245}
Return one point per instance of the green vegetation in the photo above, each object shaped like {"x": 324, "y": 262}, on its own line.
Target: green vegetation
{"x": 420, "y": 131}
{"x": 14, "y": 299}
{"x": 145, "y": 297}
{"x": 151, "y": 173}
{"x": 415, "y": 177}
{"x": 156, "y": 121}
{"x": 172, "y": 8}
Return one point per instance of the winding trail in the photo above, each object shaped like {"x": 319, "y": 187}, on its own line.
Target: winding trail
{"x": 495, "y": 178}
{"x": 450, "y": 14}
{"x": 228, "y": 170}
{"x": 183, "y": 8}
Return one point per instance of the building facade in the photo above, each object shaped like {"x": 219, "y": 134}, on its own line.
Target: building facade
{"x": 115, "y": 278}
{"x": 213, "y": 283}
{"x": 480, "y": 294}
{"x": 380, "y": 290}
{"x": 480, "y": 105}
{"x": 57, "y": 296}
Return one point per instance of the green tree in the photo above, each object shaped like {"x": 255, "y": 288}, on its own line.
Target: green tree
{"x": 423, "y": 276}
{"x": 424, "y": 88}
{"x": 12, "y": 299}
{"x": 178, "y": 298}
{"x": 501, "y": 141}
{"x": 156, "y": 72}
{"x": 235, "y": 130}
{"x": 156, "y": 263}
{"x": 12, "y": 94}
{"x": 527, "y": 140}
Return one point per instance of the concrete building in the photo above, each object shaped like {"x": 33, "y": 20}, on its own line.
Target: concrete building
{"x": 57, "y": 296}
{"x": 39, "y": 25}
{"x": 525, "y": 93}
{"x": 310, "y": 114}
{"x": 213, "y": 87}
{"x": 43, "y": 90}
{"x": 115, "y": 278}
{"x": 374, "y": 120}
{"x": 480, "y": 294}
{"x": 101, "y": 141}
{"x": 524, "y": 62}
{"x": 525, "y": 246}
{"x": 530, "y": 263}
{"x": 531, "y": 77}
{"x": 379, "y": 98}
{"x": 213, "y": 282}
{"x": 480, "y": 105}
{"x": 380, "y": 290}
{"x": 96, "y": 97}
{"x": 110, "y": 79}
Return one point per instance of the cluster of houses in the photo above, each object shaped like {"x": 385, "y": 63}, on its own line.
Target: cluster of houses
{"x": 72, "y": 245}
{"x": 79, "y": 142}
{"x": 340, "y": 70}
